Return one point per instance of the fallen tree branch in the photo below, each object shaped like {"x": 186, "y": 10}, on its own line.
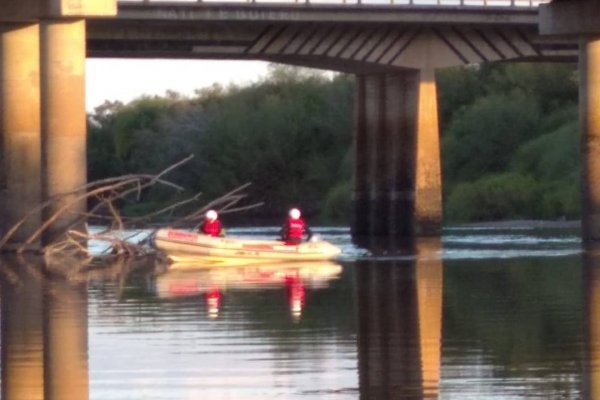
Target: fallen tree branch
{"x": 71, "y": 240}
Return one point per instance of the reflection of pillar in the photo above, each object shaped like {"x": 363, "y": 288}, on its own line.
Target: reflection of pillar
{"x": 65, "y": 350}
{"x": 400, "y": 314}
{"x": 22, "y": 340}
{"x": 397, "y": 172}
{"x": 429, "y": 275}
{"x": 591, "y": 281}
{"x": 589, "y": 103}
{"x": 63, "y": 117}
{"x": 19, "y": 127}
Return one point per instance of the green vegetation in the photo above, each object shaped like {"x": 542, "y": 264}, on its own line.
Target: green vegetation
{"x": 289, "y": 135}
{"x": 509, "y": 142}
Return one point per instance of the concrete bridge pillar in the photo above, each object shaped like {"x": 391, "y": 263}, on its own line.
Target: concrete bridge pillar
{"x": 63, "y": 120}
{"x": 589, "y": 103}
{"x": 42, "y": 112}
{"x": 398, "y": 172}
{"x": 20, "y": 154}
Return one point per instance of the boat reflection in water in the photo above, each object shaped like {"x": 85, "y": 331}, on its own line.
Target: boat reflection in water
{"x": 400, "y": 324}
{"x": 213, "y": 279}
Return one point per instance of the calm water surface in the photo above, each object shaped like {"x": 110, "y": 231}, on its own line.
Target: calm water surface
{"x": 483, "y": 314}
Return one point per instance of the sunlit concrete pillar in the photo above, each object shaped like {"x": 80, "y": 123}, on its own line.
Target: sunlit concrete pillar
{"x": 63, "y": 119}
{"x": 22, "y": 331}
{"x": 65, "y": 349}
{"x": 20, "y": 168}
{"x": 428, "y": 175}
{"x": 589, "y": 104}
{"x": 398, "y": 169}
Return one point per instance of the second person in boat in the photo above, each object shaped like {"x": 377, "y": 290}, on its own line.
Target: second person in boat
{"x": 211, "y": 225}
{"x": 294, "y": 228}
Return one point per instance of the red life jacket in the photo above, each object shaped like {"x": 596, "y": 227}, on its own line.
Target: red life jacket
{"x": 212, "y": 228}
{"x": 295, "y": 228}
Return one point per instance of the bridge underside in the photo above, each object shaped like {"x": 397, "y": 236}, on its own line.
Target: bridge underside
{"x": 350, "y": 48}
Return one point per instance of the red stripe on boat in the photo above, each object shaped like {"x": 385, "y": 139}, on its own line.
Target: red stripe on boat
{"x": 181, "y": 235}
{"x": 257, "y": 247}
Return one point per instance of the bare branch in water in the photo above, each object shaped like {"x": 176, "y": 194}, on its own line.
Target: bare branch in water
{"x": 107, "y": 192}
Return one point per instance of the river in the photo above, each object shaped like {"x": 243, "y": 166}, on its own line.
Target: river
{"x": 485, "y": 313}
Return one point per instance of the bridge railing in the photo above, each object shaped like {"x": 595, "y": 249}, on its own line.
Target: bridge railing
{"x": 441, "y": 3}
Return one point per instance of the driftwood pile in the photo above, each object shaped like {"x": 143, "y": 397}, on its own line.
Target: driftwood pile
{"x": 106, "y": 193}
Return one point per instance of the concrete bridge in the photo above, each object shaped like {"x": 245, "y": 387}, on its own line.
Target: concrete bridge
{"x": 394, "y": 50}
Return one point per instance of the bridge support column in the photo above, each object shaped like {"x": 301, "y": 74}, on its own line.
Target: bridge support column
{"x": 589, "y": 100}
{"x": 20, "y": 167}
{"x": 398, "y": 173}
{"x": 63, "y": 120}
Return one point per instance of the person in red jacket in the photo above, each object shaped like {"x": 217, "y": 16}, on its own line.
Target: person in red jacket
{"x": 294, "y": 228}
{"x": 211, "y": 225}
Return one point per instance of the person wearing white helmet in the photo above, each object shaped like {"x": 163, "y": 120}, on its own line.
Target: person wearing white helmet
{"x": 294, "y": 228}
{"x": 211, "y": 225}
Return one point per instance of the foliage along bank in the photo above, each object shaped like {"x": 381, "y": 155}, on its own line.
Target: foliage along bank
{"x": 509, "y": 142}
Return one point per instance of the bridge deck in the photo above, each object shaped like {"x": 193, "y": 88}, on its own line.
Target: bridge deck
{"x": 346, "y": 37}
{"x": 415, "y": 3}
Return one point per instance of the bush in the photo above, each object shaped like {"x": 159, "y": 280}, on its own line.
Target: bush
{"x": 483, "y": 137}
{"x": 494, "y": 197}
{"x": 552, "y": 156}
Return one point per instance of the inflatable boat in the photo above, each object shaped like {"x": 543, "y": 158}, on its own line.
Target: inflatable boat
{"x": 182, "y": 246}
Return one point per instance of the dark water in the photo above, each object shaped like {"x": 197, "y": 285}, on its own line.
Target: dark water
{"x": 484, "y": 314}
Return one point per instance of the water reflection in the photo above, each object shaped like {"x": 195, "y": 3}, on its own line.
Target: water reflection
{"x": 370, "y": 330}
{"x": 591, "y": 279}
{"x": 22, "y": 331}
{"x": 400, "y": 325}
{"x": 213, "y": 282}
{"x": 44, "y": 334}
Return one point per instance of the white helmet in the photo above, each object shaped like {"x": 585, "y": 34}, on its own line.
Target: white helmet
{"x": 211, "y": 215}
{"x": 294, "y": 213}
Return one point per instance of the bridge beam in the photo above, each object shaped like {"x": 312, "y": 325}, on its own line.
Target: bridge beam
{"x": 63, "y": 121}
{"x": 20, "y": 169}
{"x": 397, "y": 171}
{"x": 573, "y": 17}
